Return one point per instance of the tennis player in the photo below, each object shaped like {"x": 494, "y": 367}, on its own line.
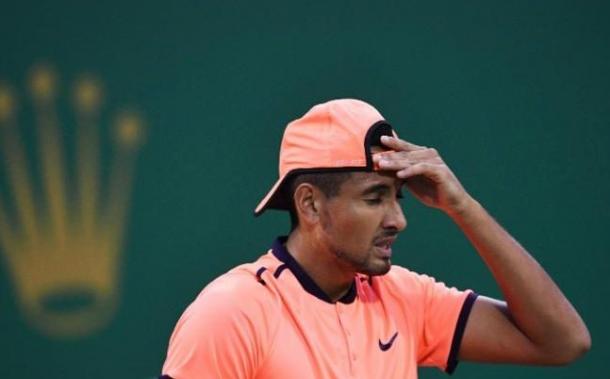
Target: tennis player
{"x": 326, "y": 301}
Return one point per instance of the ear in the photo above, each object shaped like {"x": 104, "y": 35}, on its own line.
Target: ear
{"x": 307, "y": 201}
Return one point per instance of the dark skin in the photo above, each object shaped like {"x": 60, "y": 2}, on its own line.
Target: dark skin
{"x": 352, "y": 233}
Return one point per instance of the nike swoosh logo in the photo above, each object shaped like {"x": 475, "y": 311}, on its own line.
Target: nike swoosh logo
{"x": 387, "y": 345}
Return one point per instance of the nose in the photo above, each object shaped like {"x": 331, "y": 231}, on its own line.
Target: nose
{"x": 395, "y": 217}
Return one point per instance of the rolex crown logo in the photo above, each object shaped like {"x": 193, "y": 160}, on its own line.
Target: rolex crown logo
{"x": 62, "y": 216}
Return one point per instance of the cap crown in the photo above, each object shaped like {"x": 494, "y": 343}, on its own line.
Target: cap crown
{"x": 330, "y": 135}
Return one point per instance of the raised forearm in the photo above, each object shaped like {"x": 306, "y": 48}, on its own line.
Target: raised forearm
{"x": 537, "y": 325}
{"x": 535, "y": 304}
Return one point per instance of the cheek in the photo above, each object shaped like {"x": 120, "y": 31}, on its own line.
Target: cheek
{"x": 355, "y": 225}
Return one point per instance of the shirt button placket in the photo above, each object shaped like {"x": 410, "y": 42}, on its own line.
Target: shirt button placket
{"x": 351, "y": 357}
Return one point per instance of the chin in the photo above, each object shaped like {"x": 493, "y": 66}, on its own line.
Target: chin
{"x": 377, "y": 270}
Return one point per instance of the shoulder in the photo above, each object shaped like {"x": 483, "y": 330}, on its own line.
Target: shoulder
{"x": 236, "y": 304}
{"x": 226, "y": 330}
{"x": 242, "y": 290}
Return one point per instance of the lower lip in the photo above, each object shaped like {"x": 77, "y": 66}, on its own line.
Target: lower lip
{"x": 386, "y": 252}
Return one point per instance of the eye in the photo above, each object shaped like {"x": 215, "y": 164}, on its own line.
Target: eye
{"x": 374, "y": 201}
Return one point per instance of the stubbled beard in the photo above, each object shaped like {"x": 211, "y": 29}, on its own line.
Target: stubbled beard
{"x": 346, "y": 260}
{"x": 358, "y": 266}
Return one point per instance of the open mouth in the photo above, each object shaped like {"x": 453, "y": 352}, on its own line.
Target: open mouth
{"x": 386, "y": 251}
{"x": 384, "y": 246}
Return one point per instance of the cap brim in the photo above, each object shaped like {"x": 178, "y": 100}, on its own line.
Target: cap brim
{"x": 262, "y": 206}
{"x": 271, "y": 201}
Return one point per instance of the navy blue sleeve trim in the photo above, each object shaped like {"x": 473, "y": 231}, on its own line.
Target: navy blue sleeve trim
{"x": 165, "y": 377}
{"x": 279, "y": 269}
{"x": 259, "y": 272}
{"x": 452, "y": 361}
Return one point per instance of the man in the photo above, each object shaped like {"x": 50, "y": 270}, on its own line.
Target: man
{"x": 326, "y": 302}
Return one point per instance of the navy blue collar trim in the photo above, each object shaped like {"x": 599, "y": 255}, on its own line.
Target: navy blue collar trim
{"x": 280, "y": 252}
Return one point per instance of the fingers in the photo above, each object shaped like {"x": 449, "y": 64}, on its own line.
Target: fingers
{"x": 408, "y": 159}
{"x": 399, "y": 144}
{"x": 393, "y": 160}
{"x": 427, "y": 169}
{"x": 402, "y": 162}
{"x": 409, "y": 164}
{"x": 417, "y": 155}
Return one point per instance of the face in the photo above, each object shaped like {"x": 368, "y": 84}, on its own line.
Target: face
{"x": 360, "y": 224}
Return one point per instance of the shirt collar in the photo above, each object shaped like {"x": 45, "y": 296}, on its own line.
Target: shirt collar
{"x": 280, "y": 252}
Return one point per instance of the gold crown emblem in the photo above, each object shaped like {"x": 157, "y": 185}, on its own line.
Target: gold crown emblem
{"x": 61, "y": 238}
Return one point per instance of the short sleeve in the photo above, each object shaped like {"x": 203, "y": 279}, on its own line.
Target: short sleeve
{"x": 222, "y": 334}
{"x": 445, "y": 312}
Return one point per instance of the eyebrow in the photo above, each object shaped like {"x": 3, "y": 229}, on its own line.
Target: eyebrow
{"x": 376, "y": 188}
{"x": 381, "y": 189}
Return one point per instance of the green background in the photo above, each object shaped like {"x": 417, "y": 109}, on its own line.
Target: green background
{"x": 515, "y": 95}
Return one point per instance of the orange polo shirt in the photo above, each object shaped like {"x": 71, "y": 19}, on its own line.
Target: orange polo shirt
{"x": 268, "y": 319}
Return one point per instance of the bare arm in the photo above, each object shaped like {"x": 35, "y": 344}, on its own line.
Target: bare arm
{"x": 536, "y": 324}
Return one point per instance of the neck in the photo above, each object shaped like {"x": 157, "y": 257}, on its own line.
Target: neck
{"x": 320, "y": 264}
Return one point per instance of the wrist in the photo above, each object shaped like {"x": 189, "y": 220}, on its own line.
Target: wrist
{"x": 467, "y": 205}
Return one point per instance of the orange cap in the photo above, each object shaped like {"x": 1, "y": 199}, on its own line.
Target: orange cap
{"x": 333, "y": 136}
